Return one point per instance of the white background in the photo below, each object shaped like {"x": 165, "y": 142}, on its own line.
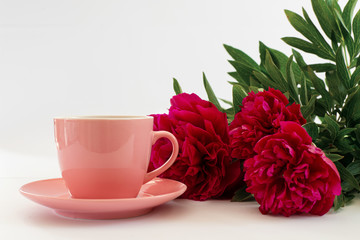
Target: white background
{"x": 72, "y": 57}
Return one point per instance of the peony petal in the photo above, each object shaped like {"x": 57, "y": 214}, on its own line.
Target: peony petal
{"x": 187, "y": 101}
{"x": 294, "y": 114}
{"x": 187, "y": 117}
{"x": 316, "y": 150}
{"x": 217, "y": 121}
{"x": 295, "y": 130}
{"x": 288, "y": 159}
{"x": 279, "y": 95}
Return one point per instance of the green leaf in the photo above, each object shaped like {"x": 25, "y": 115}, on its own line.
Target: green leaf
{"x": 265, "y": 81}
{"x": 344, "y": 146}
{"x": 344, "y": 132}
{"x": 354, "y": 168}
{"x": 229, "y": 113}
{"x": 336, "y": 87}
{"x": 226, "y": 101}
{"x": 301, "y": 25}
{"x": 232, "y": 83}
{"x": 348, "y": 198}
{"x": 333, "y": 5}
{"x": 238, "y": 95}
{"x": 323, "y": 67}
{"x": 279, "y": 59}
{"x": 357, "y": 133}
{"x": 351, "y": 92}
{"x": 356, "y": 31}
{"x": 325, "y": 17}
{"x": 308, "y": 109}
{"x": 306, "y": 84}
{"x": 255, "y": 82}
{"x": 348, "y": 12}
{"x": 332, "y": 126}
{"x": 346, "y": 176}
{"x": 307, "y": 47}
{"x": 292, "y": 86}
{"x": 239, "y": 79}
{"x": 241, "y": 195}
{"x": 243, "y": 70}
{"x": 320, "y": 88}
{"x": 339, "y": 202}
{"x": 275, "y": 72}
{"x": 346, "y": 34}
{"x": 211, "y": 94}
{"x": 355, "y": 77}
{"x": 303, "y": 90}
{"x": 177, "y": 88}
{"x": 255, "y": 89}
{"x": 312, "y": 129}
{"x": 342, "y": 69}
{"x": 354, "y": 63}
{"x": 300, "y": 61}
{"x": 287, "y": 95}
{"x": 262, "y": 51}
{"x": 351, "y": 109}
{"x": 320, "y": 108}
{"x": 334, "y": 157}
{"x": 356, "y": 26}
{"x": 318, "y": 37}
{"x": 330, "y": 150}
{"x": 340, "y": 20}
{"x": 240, "y": 56}
{"x": 350, "y": 45}
{"x": 334, "y": 42}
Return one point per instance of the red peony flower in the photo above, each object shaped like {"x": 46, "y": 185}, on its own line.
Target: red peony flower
{"x": 260, "y": 115}
{"x": 204, "y": 163}
{"x": 289, "y": 175}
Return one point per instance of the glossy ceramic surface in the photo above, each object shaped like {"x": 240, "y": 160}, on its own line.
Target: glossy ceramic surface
{"x": 53, "y": 193}
{"x": 107, "y": 156}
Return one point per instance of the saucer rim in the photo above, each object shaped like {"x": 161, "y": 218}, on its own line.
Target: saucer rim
{"x": 99, "y": 209}
{"x": 182, "y": 189}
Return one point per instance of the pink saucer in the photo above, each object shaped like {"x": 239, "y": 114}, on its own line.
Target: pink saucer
{"x": 53, "y": 193}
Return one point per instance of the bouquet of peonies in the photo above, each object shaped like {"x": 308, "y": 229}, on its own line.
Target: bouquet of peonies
{"x": 289, "y": 138}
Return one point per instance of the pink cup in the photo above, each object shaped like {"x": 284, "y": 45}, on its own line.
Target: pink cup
{"x": 108, "y": 156}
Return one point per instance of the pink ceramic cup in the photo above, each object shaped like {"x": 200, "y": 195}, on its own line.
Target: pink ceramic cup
{"x": 108, "y": 156}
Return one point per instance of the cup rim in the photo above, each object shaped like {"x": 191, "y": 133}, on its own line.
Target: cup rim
{"x": 105, "y": 117}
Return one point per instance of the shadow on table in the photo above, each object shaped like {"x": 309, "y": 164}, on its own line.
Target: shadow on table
{"x": 45, "y": 217}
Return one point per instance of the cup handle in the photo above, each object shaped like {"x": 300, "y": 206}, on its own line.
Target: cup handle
{"x": 160, "y": 134}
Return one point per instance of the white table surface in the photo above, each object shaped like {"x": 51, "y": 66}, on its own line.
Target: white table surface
{"x": 178, "y": 219}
